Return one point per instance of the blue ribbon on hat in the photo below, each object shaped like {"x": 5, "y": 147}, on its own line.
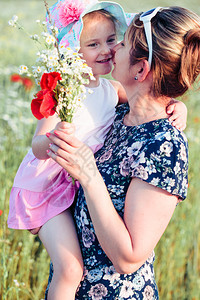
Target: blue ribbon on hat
{"x": 65, "y": 30}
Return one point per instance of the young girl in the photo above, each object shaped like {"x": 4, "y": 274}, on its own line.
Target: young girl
{"x": 43, "y": 191}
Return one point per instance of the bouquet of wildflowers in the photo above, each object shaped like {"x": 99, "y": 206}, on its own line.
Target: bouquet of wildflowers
{"x": 61, "y": 74}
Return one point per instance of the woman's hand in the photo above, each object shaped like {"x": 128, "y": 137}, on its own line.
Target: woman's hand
{"x": 73, "y": 155}
{"x": 40, "y": 143}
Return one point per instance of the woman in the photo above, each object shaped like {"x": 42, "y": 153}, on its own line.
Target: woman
{"x": 129, "y": 193}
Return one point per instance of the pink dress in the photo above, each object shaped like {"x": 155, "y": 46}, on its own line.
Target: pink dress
{"x": 42, "y": 189}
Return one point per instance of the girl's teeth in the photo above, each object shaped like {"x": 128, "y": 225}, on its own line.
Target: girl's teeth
{"x": 104, "y": 60}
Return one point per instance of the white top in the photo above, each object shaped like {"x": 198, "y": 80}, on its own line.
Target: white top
{"x": 94, "y": 119}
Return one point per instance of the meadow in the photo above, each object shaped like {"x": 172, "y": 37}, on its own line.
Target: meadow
{"x": 24, "y": 263}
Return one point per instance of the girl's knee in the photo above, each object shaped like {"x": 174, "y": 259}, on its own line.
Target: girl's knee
{"x": 71, "y": 272}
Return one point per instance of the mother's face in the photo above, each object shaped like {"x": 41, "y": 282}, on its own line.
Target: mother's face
{"x": 121, "y": 61}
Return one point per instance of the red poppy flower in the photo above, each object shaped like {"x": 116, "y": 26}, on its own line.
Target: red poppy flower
{"x": 49, "y": 80}
{"x": 15, "y": 78}
{"x": 44, "y": 104}
{"x": 1, "y": 211}
{"x": 27, "y": 83}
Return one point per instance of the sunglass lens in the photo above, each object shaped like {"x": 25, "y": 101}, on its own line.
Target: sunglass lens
{"x": 148, "y": 12}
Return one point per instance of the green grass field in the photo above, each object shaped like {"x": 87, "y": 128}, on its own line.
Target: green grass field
{"x": 24, "y": 263}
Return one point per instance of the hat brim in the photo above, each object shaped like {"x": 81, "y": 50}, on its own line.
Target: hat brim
{"x": 70, "y": 35}
{"x": 114, "y": 9}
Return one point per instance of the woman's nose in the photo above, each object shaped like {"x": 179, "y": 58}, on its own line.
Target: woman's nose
{"x": 116, "y": 47}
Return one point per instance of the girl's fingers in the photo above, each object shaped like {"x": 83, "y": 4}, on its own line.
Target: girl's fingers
{"x": 170, "y": 108}
{"x": 68, "y": 128}
{"x": 174, "y": 117}
{"x": 179, "y": 125}
{"x": 183, "y": 127}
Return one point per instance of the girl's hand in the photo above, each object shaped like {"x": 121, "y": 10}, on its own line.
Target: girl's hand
{"x": 73, "y": 155}
{"x": 178, "y": 114}
{"x": 69, "y": 128}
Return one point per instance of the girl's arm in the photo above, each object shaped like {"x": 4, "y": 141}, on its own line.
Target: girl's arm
{"x": 40, "y": 143}
{"x": 178, "y": 114}
{"x": 120, "y": 91}
{"x": 127, "y": 241}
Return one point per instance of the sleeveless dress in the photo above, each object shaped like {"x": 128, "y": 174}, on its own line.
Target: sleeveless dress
{"x": 155, "y": 152}
{"x": 42, "y": 189}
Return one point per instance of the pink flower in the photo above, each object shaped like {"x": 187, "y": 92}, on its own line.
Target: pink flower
{"x": 125, "y": 166}
{"x": 87, "y": 237}
{"x": 106, "y": 156}
{"x": 70, "y": 11}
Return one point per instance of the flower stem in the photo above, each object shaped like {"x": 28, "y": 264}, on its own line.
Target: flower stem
{"x": 53, "y": 32}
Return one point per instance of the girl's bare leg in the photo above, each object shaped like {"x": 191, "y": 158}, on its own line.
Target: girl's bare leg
{"x": 59, "y": 237}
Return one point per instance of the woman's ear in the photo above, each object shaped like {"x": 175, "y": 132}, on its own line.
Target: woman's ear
{"x": 142, "y": 70}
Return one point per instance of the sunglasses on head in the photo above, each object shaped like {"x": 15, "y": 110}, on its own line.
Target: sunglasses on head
{"x": 146, "y": 19}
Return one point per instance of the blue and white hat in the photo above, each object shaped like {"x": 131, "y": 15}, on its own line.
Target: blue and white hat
{"x": 67, "y": 16}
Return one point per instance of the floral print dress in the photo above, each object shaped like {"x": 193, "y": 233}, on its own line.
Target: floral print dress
{"x": 155, "y": 152}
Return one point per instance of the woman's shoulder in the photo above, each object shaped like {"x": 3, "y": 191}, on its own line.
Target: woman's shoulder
{"x": 163, "y": 157}
{"x": 164, "y": 141}
{"x": 162, "y": 131}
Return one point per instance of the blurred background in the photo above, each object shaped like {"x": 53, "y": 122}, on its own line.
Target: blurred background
{"x": 24, "y": 263}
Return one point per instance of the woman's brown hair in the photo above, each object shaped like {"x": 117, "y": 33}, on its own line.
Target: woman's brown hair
{"x": 176, "y": 49}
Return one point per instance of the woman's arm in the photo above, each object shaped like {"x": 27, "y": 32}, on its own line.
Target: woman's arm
{"x": 128, "y": 242}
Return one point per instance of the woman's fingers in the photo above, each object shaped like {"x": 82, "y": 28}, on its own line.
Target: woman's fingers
{"x": 64, "y": 141}
{"x": 69, "y": 144}
{"x": 69, "y": 139}
{"x": 80, "y": 164}
{"x": 60, "y": 155}
{"x": 73, "y": 155}
{"x": 65, "y": 163}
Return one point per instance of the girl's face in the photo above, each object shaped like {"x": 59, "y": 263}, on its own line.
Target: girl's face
{"x": 122, "y": 70}
{"x": 96, "y": 43}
